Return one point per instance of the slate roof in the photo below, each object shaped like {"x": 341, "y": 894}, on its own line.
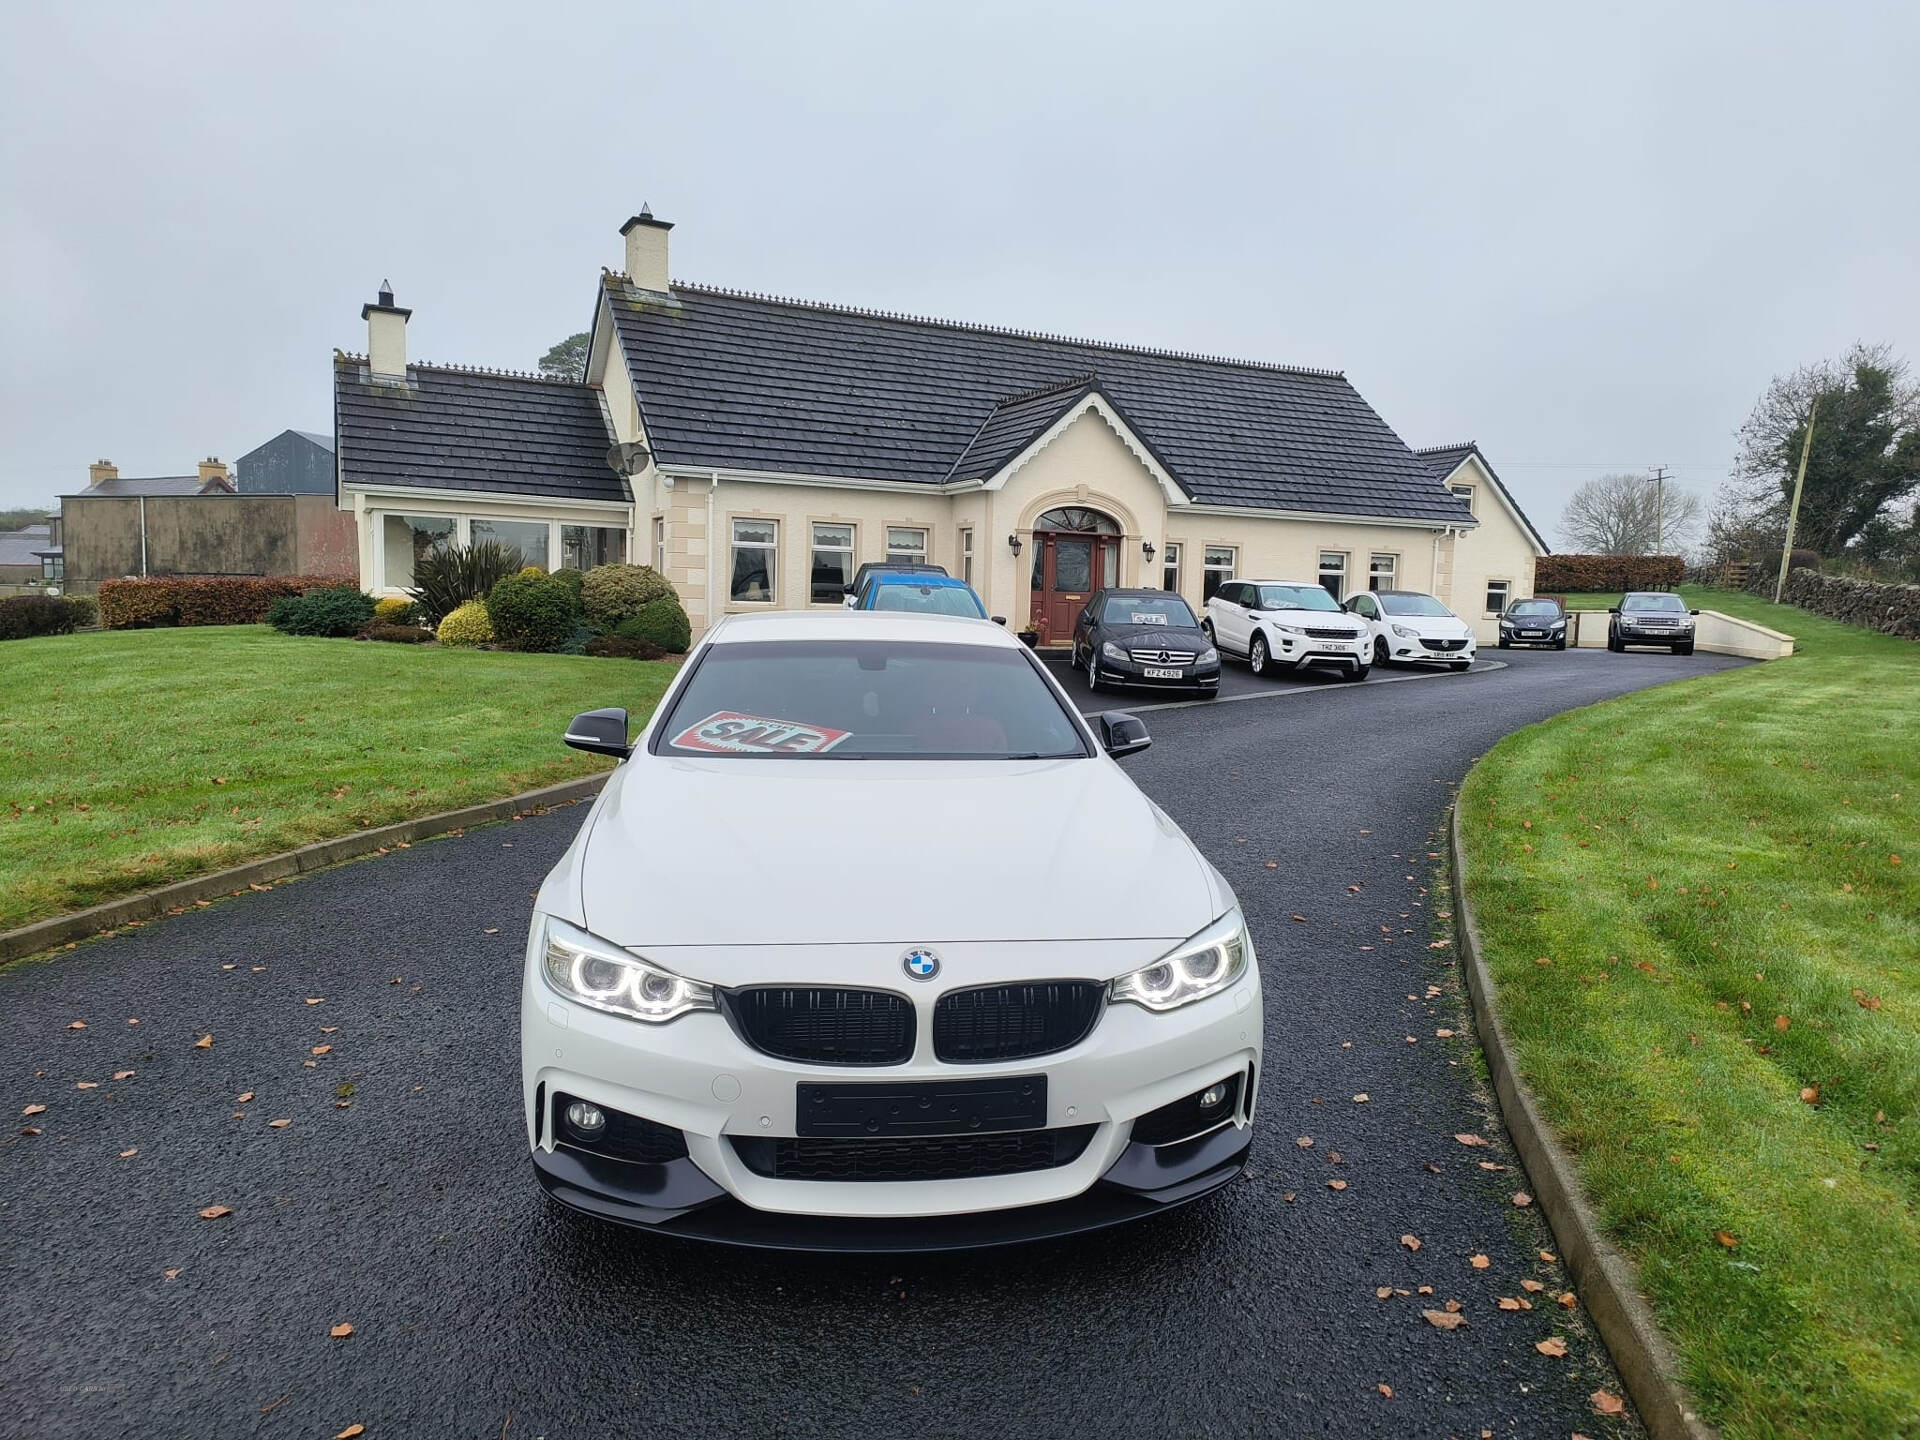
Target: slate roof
{"x": 153, "y": 485}
{"x": 1443, "y": 460}
{"x": 756, "y": 383}
{"x": 22, "y": 547}
{"x": 449, "y": 428}
{"x": 325, "y": 442}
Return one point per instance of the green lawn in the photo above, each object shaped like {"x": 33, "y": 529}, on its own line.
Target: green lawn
{"x": 132, "y": 758}
{"x": 1721, "y": 874}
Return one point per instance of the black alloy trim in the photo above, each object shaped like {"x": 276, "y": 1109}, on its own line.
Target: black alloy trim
{"x": 805, "y": 1032}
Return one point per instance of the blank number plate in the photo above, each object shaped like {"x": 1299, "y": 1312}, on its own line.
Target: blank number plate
{"x": 922, "y": 1107}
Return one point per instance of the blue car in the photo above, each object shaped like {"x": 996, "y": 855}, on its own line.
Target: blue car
{"x": 916, "y": 592}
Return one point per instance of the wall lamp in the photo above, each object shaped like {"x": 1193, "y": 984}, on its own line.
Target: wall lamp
{"x": 1013, "y": 544}
{"x": 1146, "y": 549}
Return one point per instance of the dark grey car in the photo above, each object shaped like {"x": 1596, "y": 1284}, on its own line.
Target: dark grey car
{"x": 1651, "y": 617}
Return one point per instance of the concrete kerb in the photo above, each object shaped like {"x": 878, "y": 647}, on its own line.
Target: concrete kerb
{"x": 1608, "y": 1284}
{"x": 45, "y": 935}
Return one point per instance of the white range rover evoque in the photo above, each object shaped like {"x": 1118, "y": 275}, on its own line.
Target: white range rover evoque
{"x": 869, "y": 944}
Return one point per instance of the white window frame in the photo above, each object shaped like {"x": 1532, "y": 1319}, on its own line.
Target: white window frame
{"x": 908, "y": 555}
{"x": 1222, "y": 571}
{"x": 1383, "y": 577}
{"x": 772, "y": 548}
{"x": 966, "y": 553}
{"x": 1505, "y": 587}
{"x": 1170, "y": 564}
{"x": 851, "y": 550}
{"x": 1340, "y": 570}
{"x": 660, "y": 543}
{"x": 1465, "y": 492}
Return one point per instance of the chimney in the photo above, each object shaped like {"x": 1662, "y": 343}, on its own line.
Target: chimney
{"x": 102, "y": 470}
{"x": 212, "y": 468}
{"x": 647, "y": 250}
{"x": 386, "y": 335}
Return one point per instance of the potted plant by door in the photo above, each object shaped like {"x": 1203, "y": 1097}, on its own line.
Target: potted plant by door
{"x": 1030, "y": 634}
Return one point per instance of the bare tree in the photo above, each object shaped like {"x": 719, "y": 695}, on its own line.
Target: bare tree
{"x": 1624, "y": 515}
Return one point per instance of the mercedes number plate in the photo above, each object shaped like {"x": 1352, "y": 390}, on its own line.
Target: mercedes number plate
{"x": 1155, "y": 674}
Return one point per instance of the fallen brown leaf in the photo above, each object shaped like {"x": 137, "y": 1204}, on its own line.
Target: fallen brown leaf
{"x": 1385, "y": 1389}
{"x": 1607, "y": 1403}
{"x": 1425, "y": 1289}
{"x": 1471, "y": 1139}
{"x": 316, "y": 1000}
{"x": 278, "y": 1124}
{"x": 1299, "y": 919}
{"x": 1726, "y": 1238}
{"x": 1305, "y": 1142}
{"x": 1780, "y": 1022}
{"x": 78, "y": 1025}
{"x": 86, "y": 1085}
{"x": 1443, "y": 1319}
{"x": 1810, "y": 1094}
{"x": 1410, "y": 1241}
{"x": 1507, "y": 1302}
{"x": 123, "y": 1074}
{"x": 1453, "y": 1307}
{"x": 1490, "y": 1165}
{"x": 205, "y": 1042}
{"x": 1444, "y": 1034}
{"x": 1479, "y": 1262}
{"x": 1532, "y": 1287}
{"x": 175, "y": 1273}
{"x": 214, "y": 1212}
{"x": 1553, "y": 1345}
{"x": 1361, "y": 1098}
{"x": 329, "y": 1029}
{"x": 321, "y": 1050}
{"x": 1381, "y": 1292}
{"x": 34, "y": 1110}
{"x": 1522, "y": 1199}
{"x": 1549, "y": 1256}
{"x": 1570, "y": 1300}
{"x": 243, "y": 1098}
{"x": 352, "y": 1432}
{"x": 129, "y": 1154}
{"x": 341, "y": 1331}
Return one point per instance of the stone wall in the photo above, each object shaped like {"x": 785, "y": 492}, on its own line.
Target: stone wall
{"x": 1890, "y": 609}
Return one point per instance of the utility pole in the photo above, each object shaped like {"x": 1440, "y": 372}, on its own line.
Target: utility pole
{"x": 1793, "y": 514}
{"x": 1659, "y": 482}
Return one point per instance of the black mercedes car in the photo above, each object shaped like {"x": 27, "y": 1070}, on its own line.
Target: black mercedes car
{"x": 1147, "y": 638}
{"x": 1536, "y": 621}
{"x": 1651, "y": 617}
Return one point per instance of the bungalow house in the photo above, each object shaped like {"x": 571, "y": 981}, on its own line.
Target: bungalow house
{"x": 757, "y": 450}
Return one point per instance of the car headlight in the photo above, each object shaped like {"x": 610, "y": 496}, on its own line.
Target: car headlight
{"x": 1193, "y": 970}
{"x": 1405, "y": 634}
{"x": 1290, "y": 629}
{"x": 1208, "y": 656}
{"x": 1114, "y": 652}
{"x": 602, "y": 976}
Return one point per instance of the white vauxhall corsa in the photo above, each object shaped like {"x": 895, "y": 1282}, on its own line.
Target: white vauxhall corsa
{"x": 869, "y": 944}
{"x": 1411, "y": 628}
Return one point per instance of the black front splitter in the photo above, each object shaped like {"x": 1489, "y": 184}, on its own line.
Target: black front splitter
{"x": 682, "y": 1202}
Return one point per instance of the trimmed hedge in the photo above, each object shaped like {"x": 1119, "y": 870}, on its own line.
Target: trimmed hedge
{"x": 396, "y": 610}
{"x": 188, "y": 600}
{"x": 660, "y": 622}
{"x": 1579, "y": 574}
{"x": 337, "y": 612}
{"x": 24, "y": 616}
{"x": 1890, "y": 609}
{"x": 612, "y": 593}
{"x": 467, "y": 627}
{"x": 531, "y": 611}
{"x": 618, "y": 647}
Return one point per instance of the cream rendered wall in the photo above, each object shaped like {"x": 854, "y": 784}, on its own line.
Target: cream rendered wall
{"x": 1290, "y": 549}
{"x": 1499, "y": 548}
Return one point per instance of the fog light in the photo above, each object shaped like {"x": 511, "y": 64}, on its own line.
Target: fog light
{"x": 1213, "y": 1095}
{"x": 586, "y": 1121}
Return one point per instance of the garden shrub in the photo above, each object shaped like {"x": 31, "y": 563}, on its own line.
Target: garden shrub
{"x": 659, "y": 622}
{"x": 618, "y": 647}
{"x": 24, "y": 616}
{"x": 531, "y": 611}
{"x": 200, "y": 600}
{"x": 448, "y": 576}
{"x": 1580, "y": 574}
{"x": 467, "y": 626}
{"x": 397, "y": 634}
{"x": 572, "y": 579}
{"x": 396, "y": 610}
{"x": 338, "y": 611}
{"x": 612, "y": 593}
{"x": 86, "y": 610}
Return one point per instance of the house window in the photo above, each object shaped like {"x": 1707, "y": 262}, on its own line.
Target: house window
{"x": 1465, "y": 492}
{"x": 1217, "y": 569}
{"x": 407, "y": 539}
{"x": 53, "y": 569}
{"x": 832, "y": 564}
{"x": 1333, "y": 573}
{"x": 584, "y": 546}
{"x": 754, "y": 546}
{"x": 907, "y": 546}
{"x": 966, "y": 554}
{"x": 529, "y": 537}
{"x": 1383, "y": 571}
{"x": 660, "y": 543}
{"x": 1170, "y": 567}
{"x": 1497, "y": 593}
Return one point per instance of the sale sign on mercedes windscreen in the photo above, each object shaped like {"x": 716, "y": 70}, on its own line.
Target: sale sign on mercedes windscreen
{"x": 728, "y": 732}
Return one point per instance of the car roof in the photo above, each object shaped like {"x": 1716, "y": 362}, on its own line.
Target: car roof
{"x": 909, "y": 577}
{"x": 1141, "y": 590}
{"x": 898, "y": 625}
{"x": 1299, "y": 584}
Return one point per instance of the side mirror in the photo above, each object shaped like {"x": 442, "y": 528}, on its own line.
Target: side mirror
{"x": 1613, "y": 610}
{"x": 1693, "y": 612}
{"x": 999, "y": 619}
{"x": 600, "y": 732}
{"x": 1123, "y": 734}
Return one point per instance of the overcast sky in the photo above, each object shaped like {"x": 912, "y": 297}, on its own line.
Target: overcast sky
{"x": 1585, "y": 242}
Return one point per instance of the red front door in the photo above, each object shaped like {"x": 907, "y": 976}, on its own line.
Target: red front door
{"x": 1067, "y": 569}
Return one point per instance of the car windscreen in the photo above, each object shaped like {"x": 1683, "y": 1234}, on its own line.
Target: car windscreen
{"x": 1405, "y": 602}
{"x": 1147, "y": 610}
{"x": 1664, "y": 604}
{"x": 1296, "y": 597}
{"x": 926, "y": 599}
{"x": 1535, "y": 609}
{"x": 858, "y": 699}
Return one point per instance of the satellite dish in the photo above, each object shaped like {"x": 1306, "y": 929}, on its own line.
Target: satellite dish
{"x": 629, "y": 457}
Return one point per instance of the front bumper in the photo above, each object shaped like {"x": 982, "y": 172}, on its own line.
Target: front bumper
{"x": 1302, "y": 651}
{"x": 1655, "y": 635}
{"x": 1403, "y": 651}
{"x": 698, "y": 1076}
{"x": 1532, "y": 635}
{"x": 1131, "y": 674}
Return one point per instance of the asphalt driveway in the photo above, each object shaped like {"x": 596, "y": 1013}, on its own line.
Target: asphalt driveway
{"x": 373, "y": 1009}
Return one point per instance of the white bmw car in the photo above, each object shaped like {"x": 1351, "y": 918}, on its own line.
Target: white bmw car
{"x": 869, "y": 944}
